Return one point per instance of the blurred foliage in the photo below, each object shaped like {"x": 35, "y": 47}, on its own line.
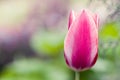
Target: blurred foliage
{"x": 109, "y": 31}
{"x": 34, "y": 69}
{"x": 48, "y": 43}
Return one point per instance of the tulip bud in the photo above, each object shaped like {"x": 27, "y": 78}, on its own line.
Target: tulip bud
{"x": 81, "y": 42}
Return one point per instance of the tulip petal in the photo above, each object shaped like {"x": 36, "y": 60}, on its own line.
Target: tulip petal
{"x": 71, "y": 18}
{"x": 81, "y": 42}
{"x": 95, "y": 59}
{"x": 66, "y": 60}
{"x": 95, "y": 17}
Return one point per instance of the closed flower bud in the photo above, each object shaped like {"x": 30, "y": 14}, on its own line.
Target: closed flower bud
{"x": 81, "y": 42}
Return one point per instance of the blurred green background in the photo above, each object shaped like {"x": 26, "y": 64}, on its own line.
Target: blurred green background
{"x": 32, "y": 34}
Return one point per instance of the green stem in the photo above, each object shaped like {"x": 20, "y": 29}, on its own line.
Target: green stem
{"x": 77, "y": 76}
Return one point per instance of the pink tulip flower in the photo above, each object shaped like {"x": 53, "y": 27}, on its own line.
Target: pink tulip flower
{"x": 81, "y": 42}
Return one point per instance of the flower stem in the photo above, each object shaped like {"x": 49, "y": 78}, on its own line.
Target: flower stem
{"x": 77, "y": 76}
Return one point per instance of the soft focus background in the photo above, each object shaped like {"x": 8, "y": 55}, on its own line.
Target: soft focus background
{"x": 32, "y": 33}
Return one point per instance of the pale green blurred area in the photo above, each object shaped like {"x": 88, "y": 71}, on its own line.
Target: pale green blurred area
{"x": 32, "y": 36}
